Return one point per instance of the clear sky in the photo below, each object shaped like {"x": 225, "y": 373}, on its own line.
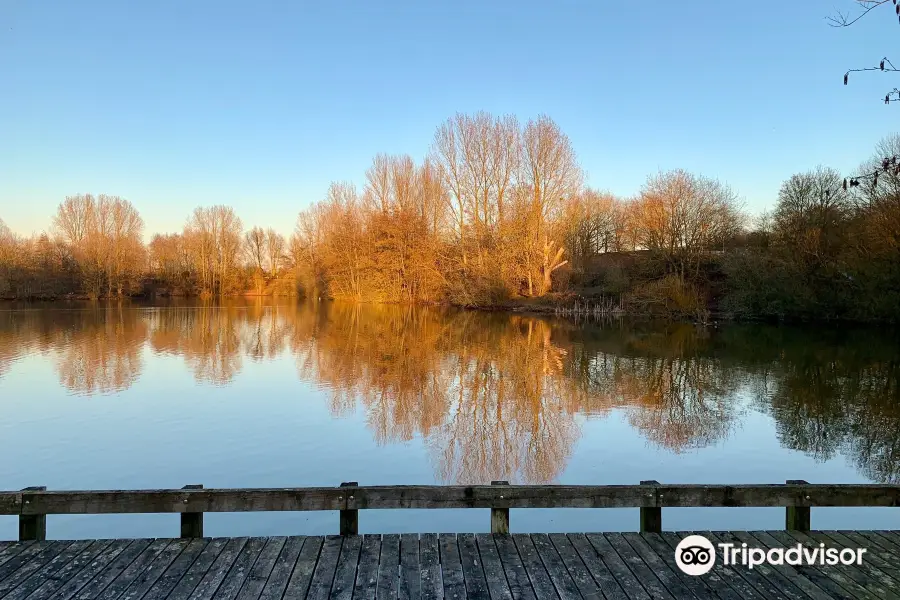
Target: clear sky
{"x": 260, "y": 104}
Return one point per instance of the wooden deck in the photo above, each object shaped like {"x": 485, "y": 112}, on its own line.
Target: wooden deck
{"x": 627, "y": 566}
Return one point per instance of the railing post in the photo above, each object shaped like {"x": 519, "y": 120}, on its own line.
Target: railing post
{"x": 651, "y": 516}
{"x": 32, "y": 527}
{"x": 797, "y": 518}
{"x": 500, "y": 516}
{"x": 192, "y": 522}
{"x": 350, "y": 516}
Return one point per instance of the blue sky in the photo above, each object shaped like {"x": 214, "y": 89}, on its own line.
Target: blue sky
{"x": 175, "y": 104}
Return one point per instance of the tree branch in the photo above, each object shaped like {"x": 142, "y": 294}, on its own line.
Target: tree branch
{"x": 888, "y": 165}
{"x": 843, "y": 20}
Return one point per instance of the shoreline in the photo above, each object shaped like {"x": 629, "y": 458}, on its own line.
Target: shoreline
{"x": 569, "y": 306}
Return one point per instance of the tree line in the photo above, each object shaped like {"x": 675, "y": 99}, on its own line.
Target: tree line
{"x": 96, "y": 249}
{"x": 498, "y": 212}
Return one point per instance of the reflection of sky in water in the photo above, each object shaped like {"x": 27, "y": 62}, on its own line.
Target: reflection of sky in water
{"x": 308, "y": 411}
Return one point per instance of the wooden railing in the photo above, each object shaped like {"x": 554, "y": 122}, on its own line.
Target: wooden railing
{"x": 32, "y": 505}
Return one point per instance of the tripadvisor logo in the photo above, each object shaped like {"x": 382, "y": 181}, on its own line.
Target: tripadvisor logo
{"x": 696, "y": 555}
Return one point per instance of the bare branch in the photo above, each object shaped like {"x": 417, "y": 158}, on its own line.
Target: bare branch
{"x": 844, "y": 20}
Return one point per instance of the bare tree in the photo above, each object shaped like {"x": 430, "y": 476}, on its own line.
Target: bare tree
{"x": 505, "y": 158}
{"x": 214, "y": 238}
{"x": 126, "y": 245}
{"x": 274, "y": 251}
{"x": 878, "y": 206}
{"x": 378, "y": 177}
{"x": 679, "y": 215}
{"x": 590, "y": 224}
{"x": 812, "y": 215}
{"x": 9, "y": 250}
{"x": 845, "y": 19}
{"x": 549, "y": 173}
{"x": 105, "y": 237}
{"x": 255, "y": 247}
{"x": 73, "y": 217}
{"x": 448, "y": 155}
{"x": 170, "y": 259}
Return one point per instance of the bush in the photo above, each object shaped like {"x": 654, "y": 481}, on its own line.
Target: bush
{"x": 670, "y": 297}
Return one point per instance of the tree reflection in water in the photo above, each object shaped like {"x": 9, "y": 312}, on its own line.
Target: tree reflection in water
{"x": 501, "y": 396}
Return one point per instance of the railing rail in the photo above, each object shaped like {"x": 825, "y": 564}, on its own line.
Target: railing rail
{"x": 32, "y": 505}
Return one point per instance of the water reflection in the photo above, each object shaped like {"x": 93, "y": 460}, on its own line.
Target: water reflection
{"x": 500, "y": 396}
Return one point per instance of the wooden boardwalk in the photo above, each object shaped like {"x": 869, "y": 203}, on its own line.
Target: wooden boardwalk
{"x": 626, "y": 566}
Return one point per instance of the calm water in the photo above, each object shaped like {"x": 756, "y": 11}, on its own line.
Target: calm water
{"x": 252, "y": 394}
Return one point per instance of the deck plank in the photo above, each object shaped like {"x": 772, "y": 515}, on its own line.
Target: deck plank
{"x": 473, "y": 571}
{"x": 234, "y": 579}
{"x": 576, "y": 568}
{"x": 711, "y": 585}
{"x": 323, "y": 576}
{"x": 301, "y": 578}
{"x": 614, "y": 563}
{"x": 108, "y": 568}
{"x": 874, "y": 539}
{"x": 388, "y": 584}
{"x": 136, "y": 581}
{"x": 185, "y": 587}
{"x": 612, "y": 566}
{"x": 284, "y": 566}
{"x": 559, "y": 575}
{"x": 218, "y": 570}
{"x": 28, "y": 565}
{"x": 177, "y": 569}
{"x": 29, "y": 552}
{"x": 537, "y": 574}
{"x": 430, "y": 567}
{"x": 516, "y": 576}
{"x": 59, "y": 570}
{"x": 262, "y": 568}
{"x": 11, "y": 549}
{"x": 602, "y": 575}
{"x": 836, "y": 572}
{"x": 367, "y": 570}
{"x": 882, "y": 550}
{"x": 749, "y": 585}
{"x": 891, "y": 537}
{"x": 775, "y": 581}
{"x": 451, "y": 567}
{"x": 876, "y": 559}
{"x": 648, "y": 578}
{"x": 81, "y": 570}
{"x": 657, "y": 565}
{"x": 42, "y": 575}
{"x": 498, "y": 588}
{"x": 345, "y": 575}
{"x": 871, "y": 579}
{"x": 410, "y": 585}
{"x": 810, "y": 581}
{"x": 612, "y": 548}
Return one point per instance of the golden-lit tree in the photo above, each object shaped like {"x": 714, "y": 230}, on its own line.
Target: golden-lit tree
{"x": 105, "y": 235}
{"x": 170, "y": 260}
{"x": 275, "y": 246}
{"x": 548, "y": 174}
{"x": 213, "y": 238}
{"x": 679, "y": 216}
{"x": 9, "y": 258}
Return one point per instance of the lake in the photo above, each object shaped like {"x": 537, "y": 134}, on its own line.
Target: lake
{"x": 256, "y": 393}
